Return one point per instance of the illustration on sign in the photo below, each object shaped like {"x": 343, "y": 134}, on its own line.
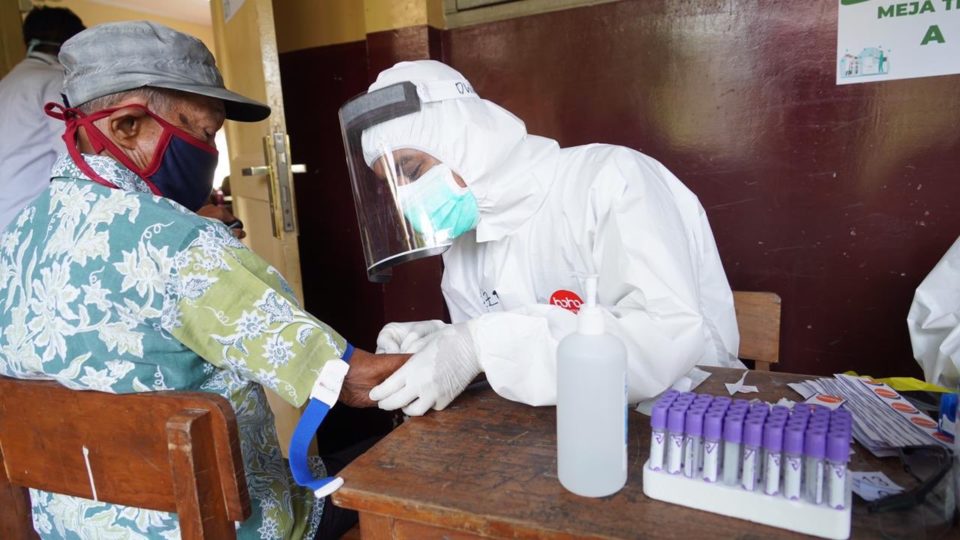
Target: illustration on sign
{"x": 880, "y": 40}
{"x": 870, "y": 61}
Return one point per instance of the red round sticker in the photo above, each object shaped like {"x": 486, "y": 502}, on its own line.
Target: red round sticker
{"x": 904, "y": 407}
{"x": 568, "y": 300}
{"x": 883, "y": 392}
{"x": 923, "y": 422}
{"x": 942, "y": 437}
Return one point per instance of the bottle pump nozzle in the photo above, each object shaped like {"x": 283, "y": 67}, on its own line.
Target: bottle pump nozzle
{"x": 590, "y": 320}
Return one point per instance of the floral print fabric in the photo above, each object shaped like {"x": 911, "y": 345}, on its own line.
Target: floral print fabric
{"x": 118, "y": 290}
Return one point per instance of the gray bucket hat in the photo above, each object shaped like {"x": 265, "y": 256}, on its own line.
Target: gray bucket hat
{"x": 116, "y": 57}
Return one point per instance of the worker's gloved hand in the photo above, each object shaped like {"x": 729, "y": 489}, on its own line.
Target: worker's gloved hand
{"x": 406, "y": 337}
{"x": 432, "y": 377}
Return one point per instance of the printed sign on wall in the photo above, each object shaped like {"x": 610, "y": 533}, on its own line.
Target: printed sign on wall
{"x": 880, "y": 40}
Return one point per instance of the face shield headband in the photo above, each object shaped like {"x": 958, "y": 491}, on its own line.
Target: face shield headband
{"x": 388, "y": 238}
{"x": 182, "y": 166}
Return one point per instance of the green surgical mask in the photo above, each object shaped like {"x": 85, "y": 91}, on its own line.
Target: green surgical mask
{"x": 436, "y": 206}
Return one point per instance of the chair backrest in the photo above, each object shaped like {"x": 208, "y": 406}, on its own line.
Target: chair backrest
{"x": 171, "y": 451}
{"x": 758, "y": 319}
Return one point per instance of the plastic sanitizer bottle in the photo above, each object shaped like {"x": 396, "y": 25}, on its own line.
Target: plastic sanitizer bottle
{"x": 591, "y": 405}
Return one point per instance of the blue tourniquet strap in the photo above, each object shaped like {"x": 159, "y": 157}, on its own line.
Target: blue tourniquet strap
{"x": 304, "y": 434}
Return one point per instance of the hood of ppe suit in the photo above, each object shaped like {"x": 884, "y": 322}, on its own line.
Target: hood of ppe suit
{"x": 486, "y": 145}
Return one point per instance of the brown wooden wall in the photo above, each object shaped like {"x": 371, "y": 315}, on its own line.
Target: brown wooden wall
{"x": 839, "y": 198}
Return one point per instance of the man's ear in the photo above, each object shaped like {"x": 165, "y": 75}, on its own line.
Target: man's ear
{"x": 126, "y": 125}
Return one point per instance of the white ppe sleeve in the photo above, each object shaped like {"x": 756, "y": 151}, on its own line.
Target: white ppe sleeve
{"x": 649, "y": 264}
{"x": 934, "y": 321}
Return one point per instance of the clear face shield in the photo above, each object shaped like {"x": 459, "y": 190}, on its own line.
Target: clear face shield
{"x": 383, "y": 178}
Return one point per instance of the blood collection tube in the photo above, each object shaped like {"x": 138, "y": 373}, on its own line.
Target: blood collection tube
{"x": 675, "y": 417}
{"x": 751, "y": 464}
{"x": 658, "y": 437}
{"x": 838, "y": 453}
{"x": 792, "y": 461}
{"x": 732, "y": 436}
{"x": 814, "y": 449}
{"x": 712, "y": 432}
{"x": 772, "y": 446}
{"x": 693, "y": 437}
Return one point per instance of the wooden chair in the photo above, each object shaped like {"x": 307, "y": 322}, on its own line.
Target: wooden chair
{"x": 171, "y": 451}
{"x": 758, "y": 318}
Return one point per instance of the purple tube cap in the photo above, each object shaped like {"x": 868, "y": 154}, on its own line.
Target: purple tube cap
{"x": 840, "y": 421}
{"x": 658, "y": 416}
{"x": 733, "y": 429}
{"x": 814, "y": 443}
{"x": 752, "y": 432}
{"x": 838, "y": 447}
{"x": 666, "y": 401}
{"x": 722, "y": 407}
{"x": 780, "y": 410}
{"x": 773, "y": 437}
{"x": 693, "y": 424}
{"x": 739, "y": 402}
{"x": 675, "y": 418}
{"x": 759, "y": 406}
{"x": 713, "y": 426}
{"x": 793, "y": 440}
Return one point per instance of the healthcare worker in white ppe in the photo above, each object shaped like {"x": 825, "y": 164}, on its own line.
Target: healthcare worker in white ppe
{"x": 934, "y": 321}
{"x": 437, "y": 169}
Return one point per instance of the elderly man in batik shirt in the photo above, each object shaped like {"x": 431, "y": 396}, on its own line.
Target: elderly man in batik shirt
{"x": 109, "y": 281}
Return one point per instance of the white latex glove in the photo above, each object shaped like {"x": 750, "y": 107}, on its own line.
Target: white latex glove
{"x": 432, "y": 377}
{"x": 406, "y": 337}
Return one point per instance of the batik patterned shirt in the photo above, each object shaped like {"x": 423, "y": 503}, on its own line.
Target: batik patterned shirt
{"x": 118, "y": 290}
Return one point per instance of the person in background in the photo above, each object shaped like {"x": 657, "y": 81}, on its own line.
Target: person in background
{"x": 29, "y": 139}
{"x": 109, "y": 281}
{"x": 525, "y": 218}
{"x": 934, "y": 321}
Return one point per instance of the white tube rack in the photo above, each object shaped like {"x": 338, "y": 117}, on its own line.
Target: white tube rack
{"x": 756, "y": 506}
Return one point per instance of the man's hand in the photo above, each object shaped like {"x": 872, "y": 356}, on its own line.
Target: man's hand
{"x": 220, "y": 213}
{"x": 366, "y": 371}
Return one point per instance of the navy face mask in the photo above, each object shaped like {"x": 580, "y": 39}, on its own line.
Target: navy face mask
{"x": 181, "y": 169}
{"x": 185, "y": 170}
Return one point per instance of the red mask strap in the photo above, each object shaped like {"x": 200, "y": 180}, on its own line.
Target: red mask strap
{"x": 74, "y": 119}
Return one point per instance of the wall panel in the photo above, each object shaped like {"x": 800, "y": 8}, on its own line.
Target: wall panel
{"x": 840, "y": 199}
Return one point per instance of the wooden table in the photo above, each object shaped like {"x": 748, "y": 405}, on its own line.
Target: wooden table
{"x": 486, "y": 467}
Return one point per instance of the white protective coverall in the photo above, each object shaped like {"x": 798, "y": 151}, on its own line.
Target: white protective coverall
{"x": 934, "y": 321}
{"x": 548, "y": 215}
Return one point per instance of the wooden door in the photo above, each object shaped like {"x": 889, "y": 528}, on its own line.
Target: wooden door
{"x": 260, "y": 178}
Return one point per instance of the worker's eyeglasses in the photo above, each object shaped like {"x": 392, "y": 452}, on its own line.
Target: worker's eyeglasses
{"x": 929, "y": 465}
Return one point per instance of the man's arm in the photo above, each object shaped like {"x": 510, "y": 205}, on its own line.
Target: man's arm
{"x": 231, "y": 308}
